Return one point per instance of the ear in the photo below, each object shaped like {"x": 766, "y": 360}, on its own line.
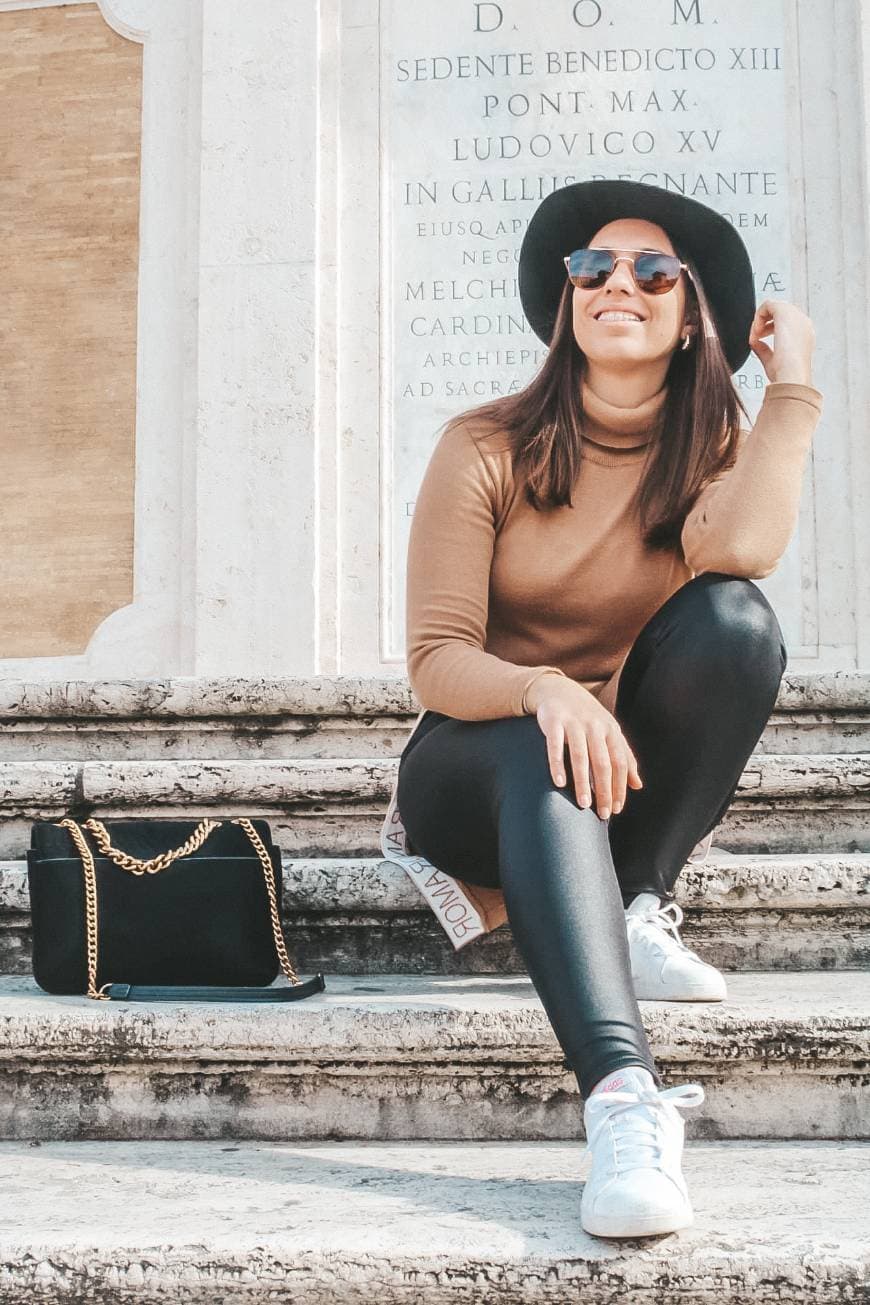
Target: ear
{"x": 690, "y": 324}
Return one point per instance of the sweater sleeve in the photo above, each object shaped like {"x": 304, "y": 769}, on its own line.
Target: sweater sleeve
{"x": 743, "y": 519}
{"x": 450, "y": 550}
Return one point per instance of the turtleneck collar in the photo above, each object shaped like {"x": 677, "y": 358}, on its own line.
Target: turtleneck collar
{"x": 621, "y": 431}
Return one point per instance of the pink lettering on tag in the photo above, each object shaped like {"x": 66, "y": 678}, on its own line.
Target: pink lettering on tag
{"x": 453, "y": 904}
{"x": 446, "y": 894}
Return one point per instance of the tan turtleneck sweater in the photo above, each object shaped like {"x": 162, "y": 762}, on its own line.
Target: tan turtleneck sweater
{"x": 499, "y": 594}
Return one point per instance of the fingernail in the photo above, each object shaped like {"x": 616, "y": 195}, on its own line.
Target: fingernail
{"x": 586, "y": 802}
{"x": 617, "y": 806}
{"x": 560, "y": 779}
{"x": 605, "y": 812}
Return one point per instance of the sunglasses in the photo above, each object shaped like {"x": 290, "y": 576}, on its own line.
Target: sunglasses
{"x": 654, "y": 273}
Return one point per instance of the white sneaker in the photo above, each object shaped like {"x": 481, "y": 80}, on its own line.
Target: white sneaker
{"x": 635, "y": 1135}
{"x": 663, "y": 968}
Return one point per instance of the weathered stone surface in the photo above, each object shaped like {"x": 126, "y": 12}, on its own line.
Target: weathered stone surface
{"x": 325, "y": 695}
{"x": 332, "y": 806}
{"x": 181, "y": 696}
{"x": 797, "y": 881}
{"x": 229, "y": 738}
{"x": 14, "y": 895}
{"x": 136, "y": 1223}
{"x": 404, "y": 943}
{"x": 255, "y": 783}
{"x": 234, "y": 719}
{"x": 726, "y": 882}
{"x": 397, "y": 1056}
{"x": 251, "y": 737}
{"x": 283, "y": 783}
{"x": 33, "y": 787}
{"x": 362, "y": 914}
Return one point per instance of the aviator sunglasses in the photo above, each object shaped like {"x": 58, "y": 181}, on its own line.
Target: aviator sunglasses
{"x": 654, "y": 273}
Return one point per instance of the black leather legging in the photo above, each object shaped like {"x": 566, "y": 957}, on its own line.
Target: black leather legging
{"x": 478, "y": 801}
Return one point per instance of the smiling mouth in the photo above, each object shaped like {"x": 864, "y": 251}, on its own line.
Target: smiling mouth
{"x": 617, "y": 321}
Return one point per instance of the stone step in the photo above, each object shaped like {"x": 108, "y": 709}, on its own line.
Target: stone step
{"x": 351, "y": 915}
{"x": 785, "y": 802}
{"x": 201, "y": 718}
{"x": 391, "y": 1057}
{"x": 157, "y": 1223}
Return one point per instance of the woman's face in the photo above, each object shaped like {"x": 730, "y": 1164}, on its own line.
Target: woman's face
{"x": 656, "y": 332}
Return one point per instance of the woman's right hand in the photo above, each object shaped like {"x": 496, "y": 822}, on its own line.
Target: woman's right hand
{"x": 568, "y": 713}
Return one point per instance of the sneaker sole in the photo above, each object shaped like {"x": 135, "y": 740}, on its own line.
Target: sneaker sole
{"x": 679, "y": 996}
{"x": 647, "y": 1225}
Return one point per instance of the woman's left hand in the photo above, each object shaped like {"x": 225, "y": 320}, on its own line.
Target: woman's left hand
{"x": 790, "y": 359}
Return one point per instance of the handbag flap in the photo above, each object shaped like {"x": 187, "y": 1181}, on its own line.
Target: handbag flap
{"x": 145, "y": 838}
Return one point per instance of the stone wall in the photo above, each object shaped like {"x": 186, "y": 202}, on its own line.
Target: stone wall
{"x": 69, "y": 266}
{"x": 287, "y": 159}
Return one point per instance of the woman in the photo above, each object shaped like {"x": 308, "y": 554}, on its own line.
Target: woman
{"x": 583, "y": 627}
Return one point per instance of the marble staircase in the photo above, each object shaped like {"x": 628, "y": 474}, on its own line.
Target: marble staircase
{"x": 412, "y": 1132}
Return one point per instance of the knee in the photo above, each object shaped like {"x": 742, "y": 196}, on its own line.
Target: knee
{"x": 734, "y": 624}
{"x": 522, "y": 778}
{"x": 525, "y": 785}
{"x": 522, "y": 761}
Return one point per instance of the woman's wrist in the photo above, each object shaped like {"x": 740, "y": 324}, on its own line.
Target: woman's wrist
{"x": 532, "y": 695}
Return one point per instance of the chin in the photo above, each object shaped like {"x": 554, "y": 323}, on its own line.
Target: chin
{"x": 628, "y": 353}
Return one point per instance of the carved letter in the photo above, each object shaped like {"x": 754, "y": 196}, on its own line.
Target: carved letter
{"x": 488, "y": 5}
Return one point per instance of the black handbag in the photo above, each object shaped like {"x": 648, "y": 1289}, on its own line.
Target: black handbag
{"x": 199, "y": 921}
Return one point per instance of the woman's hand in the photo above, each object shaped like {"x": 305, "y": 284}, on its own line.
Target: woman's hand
{"x": 790, "y": 359}
{"x": 568, "y": 713}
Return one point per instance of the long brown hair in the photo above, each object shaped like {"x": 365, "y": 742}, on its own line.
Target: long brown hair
{"x": 701, "y": 415}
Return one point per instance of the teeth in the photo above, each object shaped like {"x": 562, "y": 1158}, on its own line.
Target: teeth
{"x": 618, "y": 317}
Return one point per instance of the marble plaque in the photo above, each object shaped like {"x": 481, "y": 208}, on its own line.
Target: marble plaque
{"x": 489, "y": 107}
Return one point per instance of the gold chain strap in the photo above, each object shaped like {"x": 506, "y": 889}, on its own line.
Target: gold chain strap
{"x": 269, "y": 876}
{"x": 157, "y": 863}
{"x": 138, "y": 867}
{"x": 90, "y": 908}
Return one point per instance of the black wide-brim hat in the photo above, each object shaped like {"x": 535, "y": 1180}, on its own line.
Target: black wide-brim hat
{"x": 569, "y": 217}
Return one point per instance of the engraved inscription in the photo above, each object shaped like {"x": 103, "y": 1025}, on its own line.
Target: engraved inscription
{"x": 488, "y": 109}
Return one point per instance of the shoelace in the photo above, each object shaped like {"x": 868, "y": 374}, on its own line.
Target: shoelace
{"x": 643, "y": 1131}
{"x": 661, "y": 919}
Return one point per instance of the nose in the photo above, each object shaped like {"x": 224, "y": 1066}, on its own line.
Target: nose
{"x": 621, "y": 278}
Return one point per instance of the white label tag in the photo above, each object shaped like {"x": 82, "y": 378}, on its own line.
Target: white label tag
{"x": 458, "y": 917}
